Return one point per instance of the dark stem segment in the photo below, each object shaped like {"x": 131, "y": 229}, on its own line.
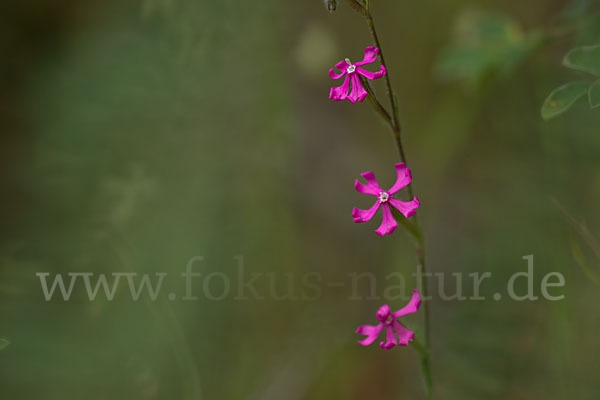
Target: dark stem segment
{"x": 388, "y": 83}
{"x": 386, "y": 116}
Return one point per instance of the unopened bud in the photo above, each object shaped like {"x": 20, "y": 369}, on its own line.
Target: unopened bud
{"x": 330, "y": 5}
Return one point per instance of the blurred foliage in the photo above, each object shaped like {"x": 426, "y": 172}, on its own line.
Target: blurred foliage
{"x": 580, "y": 237}
{"x": 488, "y": 46}
{"x": 314, "y": 51}
{"x": 485, "y": 44}
{"x": 137, "y": 135}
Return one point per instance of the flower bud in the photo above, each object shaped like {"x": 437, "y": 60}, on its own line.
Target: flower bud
{"x": 330, "y": 5}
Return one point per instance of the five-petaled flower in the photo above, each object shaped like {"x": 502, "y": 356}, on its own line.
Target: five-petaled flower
{"x": 396, "y": 333}
{"x": 357, "y": 93}
{"x": 385, "y": 200}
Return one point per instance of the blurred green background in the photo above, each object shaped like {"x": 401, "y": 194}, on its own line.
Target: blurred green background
{"x": 136, "y": 135}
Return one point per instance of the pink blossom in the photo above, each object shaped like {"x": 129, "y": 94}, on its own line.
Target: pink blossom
{"x": 385, "y": 200}
{"x": 396, "y": 333}
{"x": 351, "y": 71}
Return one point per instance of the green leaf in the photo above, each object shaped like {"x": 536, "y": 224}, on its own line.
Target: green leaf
{"x": 3, "y": 343}
{"x": 562, "y": 98}
{"x": 594, "y": 94}
{"x": 585, "y": 58}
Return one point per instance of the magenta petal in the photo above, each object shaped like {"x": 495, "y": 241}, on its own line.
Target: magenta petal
{"x": 407, "y": 208}
{"x": 372, "y": 187}
{"x": 371, "y": 331}
{"x": 371, "y": 180}
{"x": 342, "y": 66}
{"x": 365, "y": 189}
{"x": 389, "y": 224}
{"x": 340, "y": 92}
{"x": 412, "y": 306}
{"x": 372, "y": 75}
{"x": 371, "y": 54}
{"x": 403, "y": 179}
{"x": 358, "y": 93}
{"x": 404, "y": 335}
{"x": 365, "y": 215}
{"x": 390, "y": 340}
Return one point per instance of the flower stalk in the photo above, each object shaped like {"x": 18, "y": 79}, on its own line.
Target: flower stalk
{"x": 357, "y": 6}
{"x": 393, "y": 121}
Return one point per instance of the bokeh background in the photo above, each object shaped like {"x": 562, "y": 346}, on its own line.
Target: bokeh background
{"x": 138, "y": 134}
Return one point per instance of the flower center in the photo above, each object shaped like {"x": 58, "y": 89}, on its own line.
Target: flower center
{"x": 351, "y": 68}
{"x": 383, "y": 197}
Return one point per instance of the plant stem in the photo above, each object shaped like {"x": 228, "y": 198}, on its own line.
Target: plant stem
{"x": 395, "y": 120}
{"x": 394, "y": 123}
{"x": 375, "y": 101}
{"x": 357, "y": 6}
{"x": 425, "y": 359}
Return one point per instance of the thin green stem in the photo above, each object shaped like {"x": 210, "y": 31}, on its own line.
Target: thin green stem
{"x": 380, "y": 109}
{"x": 394, "y": 120}
{"x": 426, "y": 372}
{"x": 420, "y": 249}
{"x": 424, "y": 286}
{"x": 388, "y": 82}
{"x": 357, "y": 6}
{"x": 415, "y": 229}
{"x": 416, "y": 343}
{"x": 375, "y": 101}
{"x": 425, "y": 368}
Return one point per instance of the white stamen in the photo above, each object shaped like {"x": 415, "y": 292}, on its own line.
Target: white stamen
{"x": 351, "y": 68}
{"x": 383, "y": 197}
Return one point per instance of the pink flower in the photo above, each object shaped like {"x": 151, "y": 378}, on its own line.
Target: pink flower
{"x": 358, "y": 93}
{"x": 385, "y": 199}
{"x": 396, "y": 333}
